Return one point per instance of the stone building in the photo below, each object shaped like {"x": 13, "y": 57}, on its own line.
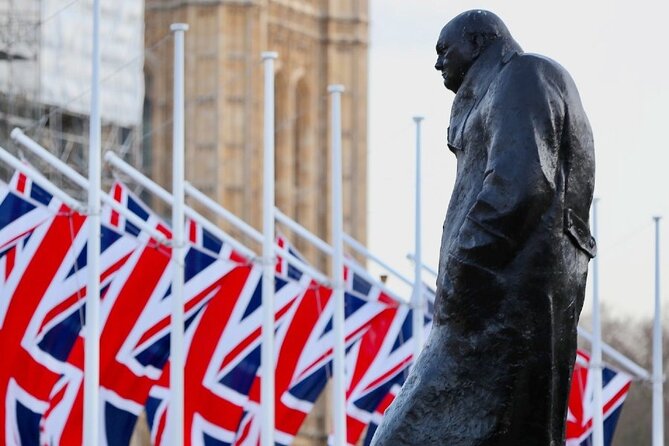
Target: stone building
{"x": 319, "y": 42}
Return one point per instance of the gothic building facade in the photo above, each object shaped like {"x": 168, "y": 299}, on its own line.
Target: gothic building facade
{"x": 319, "y": 42}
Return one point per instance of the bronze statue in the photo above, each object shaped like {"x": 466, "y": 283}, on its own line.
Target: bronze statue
{"x": 496, "y": 368}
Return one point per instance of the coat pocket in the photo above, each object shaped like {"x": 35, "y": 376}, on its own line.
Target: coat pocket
{"x": 579, "y": 233}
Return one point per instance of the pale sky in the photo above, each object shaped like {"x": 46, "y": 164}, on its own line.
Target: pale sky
{"x": 616, "y": 52}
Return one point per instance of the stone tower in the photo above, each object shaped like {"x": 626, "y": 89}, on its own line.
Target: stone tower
{"x": 319, "y": 42}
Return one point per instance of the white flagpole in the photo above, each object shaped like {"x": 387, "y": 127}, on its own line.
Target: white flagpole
{"x": 77, "y": 178}
{"x": 658, "y": 410}
{"x": 339, "y": 385}
{"x": 176, "y": 407}
{"x": 267, "y": 349}
{"x": 92, "y": 336}
{"x": 418, "y": 308}
{"x": 217, "y": 209}
{"x": 596, "y": 359}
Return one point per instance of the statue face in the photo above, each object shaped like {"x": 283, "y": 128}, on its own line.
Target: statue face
{"x": 455, "y": 55}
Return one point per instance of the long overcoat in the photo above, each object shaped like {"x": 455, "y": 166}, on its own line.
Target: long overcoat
{"x": 497, "y": 365}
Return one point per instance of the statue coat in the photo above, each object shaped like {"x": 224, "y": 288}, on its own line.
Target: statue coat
{"x": 497, "y": 366}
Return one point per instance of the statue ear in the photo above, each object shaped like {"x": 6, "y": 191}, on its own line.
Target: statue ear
{"x": 478, "y": 42}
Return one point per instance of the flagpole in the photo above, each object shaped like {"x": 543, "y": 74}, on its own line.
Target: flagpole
{"x": 630, "y": 366}
{"x": 78, "y": 179}
{"x": 38, "y": 178}
{"x": 267, "y": 350}
{"x": 348, "y": 262}
{"x": 427, "y": 268}
{"x": 418, "y": 309}
{"x": 339, "y": 385}
{"x": 176, "y": 407}
{"x": 596, "y": 359}
{"x": 658, "y": 397}
{"x": 217, "y": 209}
{"x": 92, "y": 333}
{"x": 361, "y": 249}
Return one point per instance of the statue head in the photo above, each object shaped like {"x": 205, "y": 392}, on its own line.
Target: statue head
{"x": 463, "y": 40}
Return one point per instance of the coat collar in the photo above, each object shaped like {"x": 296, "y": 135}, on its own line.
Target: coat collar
{"x": 475, "y": 85}
{"x": 485, "y": 68}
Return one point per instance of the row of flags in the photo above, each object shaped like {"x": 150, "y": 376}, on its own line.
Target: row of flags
{"x": 43, "y": 277}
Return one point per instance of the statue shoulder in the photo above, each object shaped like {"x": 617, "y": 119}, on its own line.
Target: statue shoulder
{"x": 539, "y": 71}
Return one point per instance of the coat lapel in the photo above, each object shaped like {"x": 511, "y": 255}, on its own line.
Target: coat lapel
{"x": 474, "y": 87}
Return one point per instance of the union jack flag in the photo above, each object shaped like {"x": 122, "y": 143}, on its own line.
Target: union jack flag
{"x": 379, "y": 361}
{"x": 304, "y": 347}
{"x": 221, "y": 370}
{"x": 30, "y": 373}
{"x": 135, "y": 338}
{"x": 579, "y": 418}
{"x": 23, "y": 207}
{"x": 377, "y": 416}
{"x": 62, "y": 422}
{"x": 41, "y": 305}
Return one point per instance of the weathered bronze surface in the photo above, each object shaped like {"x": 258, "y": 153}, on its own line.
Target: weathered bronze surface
{"x": 496, "y": 368}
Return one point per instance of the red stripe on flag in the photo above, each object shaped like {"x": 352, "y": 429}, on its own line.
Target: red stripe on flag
{"x": 16, "y": 238}
{"x": 390, "y": 372}
{"x": 53, "y": 402}
{"x": 118, "y": 193}
{"x": 21, "y": 183}
{"x": 192, "y": 232}
{"x": 616, "y": 399}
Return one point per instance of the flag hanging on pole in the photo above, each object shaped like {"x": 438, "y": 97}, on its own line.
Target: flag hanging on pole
{"x": 221, "y": 370}
{"x": 139, "y": 348}
{"x": 379, "y": 361}
{"x": 41, "y": 302}
{"x": 23, "y": 207}
{"x": 30, "y": 373}
{"x": 116, "y": 417}
{"x": 377, "y": 416}
{"x": 304, "y": 349}
{"x": 579, "y": 418}
{"x": 61, "y": 327}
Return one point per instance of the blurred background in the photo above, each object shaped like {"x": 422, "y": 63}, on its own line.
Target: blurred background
{"x": 383, "y": 52}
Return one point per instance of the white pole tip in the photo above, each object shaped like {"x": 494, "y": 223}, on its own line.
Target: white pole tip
{"x": 418, "y": 118}
{"x": 16, "y": 132}
{"x": 269, "y": 55}
{"x": 336, "y": 88}
{"x": 174, "y": 27}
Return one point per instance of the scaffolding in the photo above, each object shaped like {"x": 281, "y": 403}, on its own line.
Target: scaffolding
{"x": 49, "y": 113}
